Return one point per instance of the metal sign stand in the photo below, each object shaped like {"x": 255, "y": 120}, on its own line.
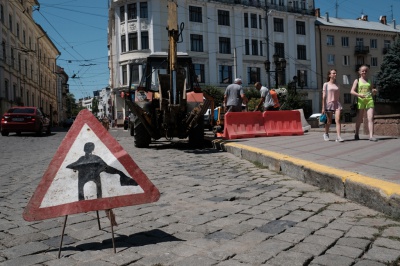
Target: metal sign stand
{"x": 98, "y": 222}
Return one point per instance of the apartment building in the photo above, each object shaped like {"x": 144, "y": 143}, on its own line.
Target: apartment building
{"x": 346, "y": 44}
{"x": 226, "y": 39}
{"x": 27, "y": 60}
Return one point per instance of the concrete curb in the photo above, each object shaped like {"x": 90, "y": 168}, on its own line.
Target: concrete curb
{"x": 377, "y": 194}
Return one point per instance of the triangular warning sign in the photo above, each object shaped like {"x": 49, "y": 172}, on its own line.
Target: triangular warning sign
{"x": 90, "y": 171}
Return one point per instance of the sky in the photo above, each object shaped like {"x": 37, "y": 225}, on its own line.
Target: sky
{"x": 79, "y": 30}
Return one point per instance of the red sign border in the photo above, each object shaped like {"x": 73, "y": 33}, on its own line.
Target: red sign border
{"x": 33, "y": 212}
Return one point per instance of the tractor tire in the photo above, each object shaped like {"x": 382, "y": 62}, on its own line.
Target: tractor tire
{"x": 4, "y": 133}
{"x": 142, "y": 137}
{"x": 196, "y": 136}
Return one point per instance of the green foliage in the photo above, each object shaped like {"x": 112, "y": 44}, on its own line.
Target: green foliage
{"x": 216, "y": 93}
{"x": 292, "y": 101}
{"x": 388, "y": 78}
{"x": 252, "y": 104}
{"x": 251, "y": 93}
{"x": 95, "y": 106}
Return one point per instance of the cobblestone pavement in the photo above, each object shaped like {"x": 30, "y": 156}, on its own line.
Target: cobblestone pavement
{"x": 215, "y": 209}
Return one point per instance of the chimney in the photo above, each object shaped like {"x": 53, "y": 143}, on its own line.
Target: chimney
{"x": 394, "y": 24}
{"x": 317, "y": 12}
{"x": 364, "y": 17}
{"x": 383, "y": 20}
{"x": 327, "y": 16}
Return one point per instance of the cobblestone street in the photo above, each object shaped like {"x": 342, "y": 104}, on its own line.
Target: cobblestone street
{"x": 214, "y": 209}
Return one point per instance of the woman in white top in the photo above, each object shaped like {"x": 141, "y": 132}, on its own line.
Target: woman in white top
{"x": 331, "y": 103}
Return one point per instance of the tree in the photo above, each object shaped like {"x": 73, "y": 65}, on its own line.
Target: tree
{"x": 388, "y": 78}
{"x": 95, "y": 106}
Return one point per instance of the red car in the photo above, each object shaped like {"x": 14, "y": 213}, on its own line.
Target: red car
{"x": 24, "y": 119}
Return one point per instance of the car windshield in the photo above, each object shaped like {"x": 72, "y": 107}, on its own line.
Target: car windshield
{"x": 22, "y": 111}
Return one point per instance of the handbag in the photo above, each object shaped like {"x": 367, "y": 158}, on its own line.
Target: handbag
{"x": 322, "y": 120}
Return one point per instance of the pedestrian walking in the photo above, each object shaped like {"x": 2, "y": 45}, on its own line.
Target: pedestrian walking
{"x": 364, "y": 90}
{"x": 331, "y": 104}
{"x": 234, "y": 97}
{"x": 266, "y": 100}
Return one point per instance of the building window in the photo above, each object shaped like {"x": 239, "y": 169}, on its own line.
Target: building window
{"x": 331, "y": 59}
{"x": 143, "y": 10}
{"x": 359, "y": 42}
{"x": 281, "y": 3}
{"x": 10, "y": 23}
{"x": 301, "y": 27}
{"x": 133, "y": 41}
{"x": 253, "y": 21}
{"x": 7, "y": 96}
{"x": 195, "y": 14}
{"x": 23, "y": 37}
{"x": 253, "y": 74}
{"x": 224, "y": 45}
{"x": 122, "y": 13}
{"x": 345, "y": 41}
{"x": 135, "y": 74}
{"x": 18, "y": 30}
{"x": 254, "y": 47}
{"x": 200, "y": 73}
{"x": 302, "y": 80}
{"x": 330, "y": 40}
{"x": 3, "y": 47}
{"x": 247, "y": 46}
{"x": 374, "y": 43}
{"x": 261, "y": 48}
{"x": 26, "y": 67}
{"x": 144, "y": 40}
{"x": 347, "y": 97}
{"x": 124, "y": 75}
{"x": 301, "y": 52}
{"x": 132, "y": 11}
{"x": 2, "y": 14}
{"x": 280, "y": 49}
{"x": 374, "y": 61}
{"x": 196, "y": 43}
{"x": 346, "y": 60}
{"x": 123, "y": 44}
{"x": 386, "y": 44}
{"x": 246, "y": 20}
{"x": 260, "y": 21}
{"x": 223, "y": 17}
{"x": 225, "y": 74}
{"x": 278, "y": 24}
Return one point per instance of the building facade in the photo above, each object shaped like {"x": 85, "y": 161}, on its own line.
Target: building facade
{"x": 27, "y": 60}
{"x": 346, "y": 44}
{"x": 226, "y": 39}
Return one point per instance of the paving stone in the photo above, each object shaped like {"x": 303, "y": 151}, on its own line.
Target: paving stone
{"x": 297, "y": 216}
{"x": 276, "y": 227}
{"x": 354, "y": 242}
{"x": 310, "y": 248}
{"x": 383, "y": 255}
{"x": 392, "y": 232}
{"x": 329, "y": 232}
{"x": 368, "y": 263}
{"x": 345, "y": 251}
{"x": 320, "y": 240}
{"x": 362, "y": 232}
{"x": 289, "y": 237}
{"x": 27, "y": 260}
{"x": 195, "y": 260}
{"x": 25, "y": 249}
{"x": 387, "y": 243}
{"x": 332, "y": 260}
{"x": 290, "y": 258}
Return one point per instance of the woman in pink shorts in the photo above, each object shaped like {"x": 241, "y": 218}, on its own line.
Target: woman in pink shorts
{"x": 331, "y": 104}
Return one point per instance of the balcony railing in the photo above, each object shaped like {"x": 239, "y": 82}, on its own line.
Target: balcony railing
{"x": 360, "y": 49}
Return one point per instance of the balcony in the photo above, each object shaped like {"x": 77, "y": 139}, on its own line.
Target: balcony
{"x": 361, "y": 50}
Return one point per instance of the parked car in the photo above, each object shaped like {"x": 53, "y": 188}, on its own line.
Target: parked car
{"x": 68, "y": 122}
{"x": 24, "y": 119}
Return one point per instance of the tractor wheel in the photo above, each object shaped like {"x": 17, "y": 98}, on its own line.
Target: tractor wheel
{"x": 196, "y": 136}
{"x": 4, "y": 133}
{"x": 142, "y": 137}
{"x": 131, "y": 129}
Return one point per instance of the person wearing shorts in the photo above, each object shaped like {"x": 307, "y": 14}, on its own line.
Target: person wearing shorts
{"x": 363, "y": 90}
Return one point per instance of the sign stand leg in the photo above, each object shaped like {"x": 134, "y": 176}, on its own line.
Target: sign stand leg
{"x": 98, "y": 220}
{"x": 112, "y": 236}
{"x": 62, "y": 236}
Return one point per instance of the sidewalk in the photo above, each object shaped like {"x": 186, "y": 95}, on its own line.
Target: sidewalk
{"x": 363, "y": 171}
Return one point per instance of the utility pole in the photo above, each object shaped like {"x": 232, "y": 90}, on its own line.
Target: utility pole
{"x": 267, "y": 40}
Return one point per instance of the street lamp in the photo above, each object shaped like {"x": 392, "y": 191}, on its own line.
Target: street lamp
{"x": 280, "y": 66}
